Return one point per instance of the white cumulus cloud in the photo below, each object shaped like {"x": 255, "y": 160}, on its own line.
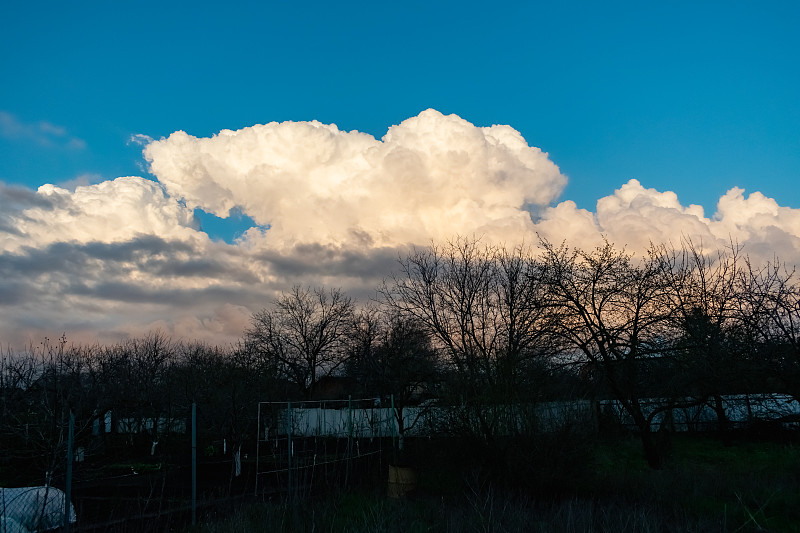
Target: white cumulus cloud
{"x": 635, "y": 217}
{"x": 430, "y": 177}
{"x": 101, "y": 261}
{"x": 109, "y": 211}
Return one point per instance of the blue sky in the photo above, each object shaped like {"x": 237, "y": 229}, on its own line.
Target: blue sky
{"x": 695, "y": 98}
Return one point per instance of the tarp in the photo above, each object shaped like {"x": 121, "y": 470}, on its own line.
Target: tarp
{"x": 9, "y": 525}
{"x": 33, "y": 508}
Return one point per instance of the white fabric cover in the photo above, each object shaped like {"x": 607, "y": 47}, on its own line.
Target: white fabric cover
{"x": 24, "y": 509}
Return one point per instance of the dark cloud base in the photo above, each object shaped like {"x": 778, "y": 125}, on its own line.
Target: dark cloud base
{"x": 108, "y": 287}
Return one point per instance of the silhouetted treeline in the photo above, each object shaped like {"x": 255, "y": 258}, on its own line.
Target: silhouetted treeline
{"x": 485, "y": 330}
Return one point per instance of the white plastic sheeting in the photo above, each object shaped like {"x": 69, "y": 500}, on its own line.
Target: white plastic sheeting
{"x": 698, "y": 416}
{"x": 29, "y": 509}
{"x": 687, "y": 414}
{"x": 417, "y": 421}
{"x": 9, "y": 525}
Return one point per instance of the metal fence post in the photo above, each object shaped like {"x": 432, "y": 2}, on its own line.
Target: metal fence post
{"x": 349, "y": 439}
{"x": 289, "y": 443}
{"x": 68, "y": 486}
{"x": 194, "y": 463}
{"x": 258, "y": 444}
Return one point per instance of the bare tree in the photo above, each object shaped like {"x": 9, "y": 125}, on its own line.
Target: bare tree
{"x": 396, "y": 359}
{"x": 613, "y": 311}
{"x": 225, "y": 384}
{"x": 771, "y": 314}
{"x": 41, "y": 387}
{"x": 706, "y": 293}
{"x": 133, "y": 380}
{"x": 305, "y": 333}
{"x": 484, "y": 309}
{"x": 369, "y": 327}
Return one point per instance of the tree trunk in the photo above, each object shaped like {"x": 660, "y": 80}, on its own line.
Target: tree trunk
{"x": 653, "y": 452}
{"x": 401, "y": 429}
{"x": 655, "y": 445}
{"x": 723, "y": 423}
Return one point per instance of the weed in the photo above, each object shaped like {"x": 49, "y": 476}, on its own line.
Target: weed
{"x": 709, "y": 486}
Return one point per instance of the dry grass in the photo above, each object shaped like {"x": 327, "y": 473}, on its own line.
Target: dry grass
{"x": 707, "y": 487}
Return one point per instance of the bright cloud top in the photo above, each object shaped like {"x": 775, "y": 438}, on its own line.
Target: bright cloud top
{"x": 430, "y": 177}
{"x": 635, "y": 216}
{"x": 111, "y": 211}
{"x": 124, "y": 256}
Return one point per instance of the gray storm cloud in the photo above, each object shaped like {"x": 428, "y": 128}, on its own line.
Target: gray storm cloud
{"x": 124, "y": 256}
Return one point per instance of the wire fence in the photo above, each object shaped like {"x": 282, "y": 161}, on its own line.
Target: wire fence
{"x": 303, "y": 447}
{"x": 157, "y": 473}
{"x": 115, "y": 473}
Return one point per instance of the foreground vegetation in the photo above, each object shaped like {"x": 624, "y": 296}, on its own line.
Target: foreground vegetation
{"x": 708, "y": 486}
{"x": 478, "y": 336}
{"x": 463, "y": 324}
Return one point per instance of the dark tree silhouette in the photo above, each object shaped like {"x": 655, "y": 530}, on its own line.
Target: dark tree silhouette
{"x": 485, "y": 311}
{"x": 398, "y": 362}
{"x": 614, "y": 311}
{"x": 706, "y": 293}
{"x": 305, "y": 334}
{"x": 771, "y": 314}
